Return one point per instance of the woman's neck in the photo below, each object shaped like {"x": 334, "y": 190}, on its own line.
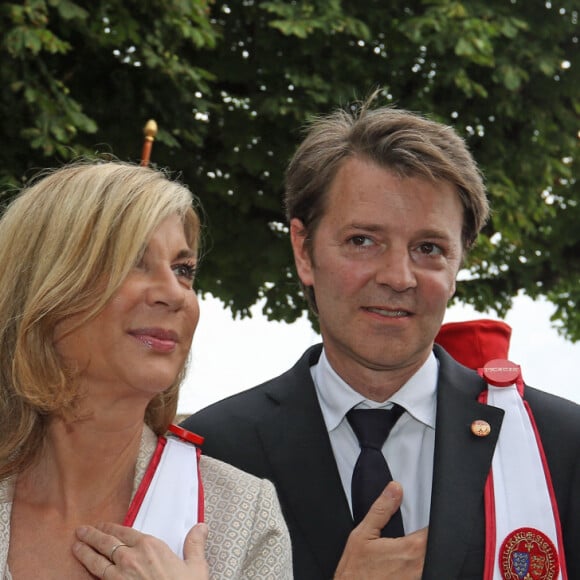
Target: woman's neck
{"x": 83, "y": 466}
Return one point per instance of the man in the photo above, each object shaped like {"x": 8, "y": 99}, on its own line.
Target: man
{"x": 383, "y": 206}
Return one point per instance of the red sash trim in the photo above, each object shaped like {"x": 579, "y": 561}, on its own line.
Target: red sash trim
{"x": 490, "y": 524}
{"x": 489, "y": 497}
{"x": 200, "y": 495}
{"x": 197, "y": 440}
{"x": 560, "y": 538}
{"x": 145, "y": 483}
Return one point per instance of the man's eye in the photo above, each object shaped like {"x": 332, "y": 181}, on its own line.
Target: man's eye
{"x": 430, "y": 249}
{"x": 360, "y": 241}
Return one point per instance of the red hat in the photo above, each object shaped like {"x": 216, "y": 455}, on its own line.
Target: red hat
{"x": 475, "y": 342}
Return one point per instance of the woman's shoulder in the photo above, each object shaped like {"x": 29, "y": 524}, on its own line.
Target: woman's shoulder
{"x": 231, "y": 494}
{"x": 248, "y": 536}
{"x": 217, "y": 475}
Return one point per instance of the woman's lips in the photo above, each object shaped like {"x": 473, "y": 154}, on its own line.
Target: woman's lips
{"x": 157, "y": 339}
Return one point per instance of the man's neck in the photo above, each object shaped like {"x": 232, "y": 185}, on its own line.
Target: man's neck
{"x": 374, "y": 384}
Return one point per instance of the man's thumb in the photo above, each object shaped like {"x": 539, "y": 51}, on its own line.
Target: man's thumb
{"x": 382, "y": 510}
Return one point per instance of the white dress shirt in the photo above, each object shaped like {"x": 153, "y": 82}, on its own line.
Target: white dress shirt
{"x": 410, "y": 445}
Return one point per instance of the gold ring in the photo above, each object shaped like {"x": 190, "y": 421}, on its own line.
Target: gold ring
{"x": 105, "y": 569}
{"x": 115, "y": 548}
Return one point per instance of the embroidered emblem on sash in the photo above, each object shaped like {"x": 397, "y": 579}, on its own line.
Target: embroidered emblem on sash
{"x": 528, "y": 554}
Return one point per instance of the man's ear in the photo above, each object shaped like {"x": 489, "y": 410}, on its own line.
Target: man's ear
{"x": 452, "y": 290}
{"x": 302, "y": 258}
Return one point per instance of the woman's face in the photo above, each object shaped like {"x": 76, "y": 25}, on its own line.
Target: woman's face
{"x": 139, "y": 342}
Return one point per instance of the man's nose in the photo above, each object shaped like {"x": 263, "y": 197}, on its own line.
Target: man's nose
{"x": 395, "y": 269}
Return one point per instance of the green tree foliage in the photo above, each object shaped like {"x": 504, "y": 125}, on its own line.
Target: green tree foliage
{"x": 231, "y": 83}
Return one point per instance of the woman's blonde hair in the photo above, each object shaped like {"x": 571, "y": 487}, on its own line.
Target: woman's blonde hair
{"x": 67, "y": 243}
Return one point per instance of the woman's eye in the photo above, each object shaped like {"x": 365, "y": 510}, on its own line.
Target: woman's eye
{"x": 186, "y": 271}
{"x": 140, "y": 261}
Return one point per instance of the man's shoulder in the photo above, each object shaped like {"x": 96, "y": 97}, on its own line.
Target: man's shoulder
{"x": 553, "y": 407}
{"x": 235, "y": 429}
{"x": 249, "y": 405}
{"x": 558, "y": 424}
{"x": 229, "y": 415}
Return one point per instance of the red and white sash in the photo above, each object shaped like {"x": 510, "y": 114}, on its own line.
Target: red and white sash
{"x": 523, "y": 533}
{"x": 169, "y": 500}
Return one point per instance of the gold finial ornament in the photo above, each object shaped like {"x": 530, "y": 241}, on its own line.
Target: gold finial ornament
{"x": 149, "y": 132}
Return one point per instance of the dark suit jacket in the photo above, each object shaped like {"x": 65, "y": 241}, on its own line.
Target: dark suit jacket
{"x": 276, "y": 431}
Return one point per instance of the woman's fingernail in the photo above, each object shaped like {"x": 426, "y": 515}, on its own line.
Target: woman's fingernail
{"x": 81, "y": 531}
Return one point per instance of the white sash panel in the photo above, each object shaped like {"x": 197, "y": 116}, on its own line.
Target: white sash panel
{"x": 520, "y": 487}
{"x": 170, "y": 506}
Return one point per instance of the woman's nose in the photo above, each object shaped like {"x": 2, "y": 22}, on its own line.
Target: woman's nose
{"x": 166, "y": 289}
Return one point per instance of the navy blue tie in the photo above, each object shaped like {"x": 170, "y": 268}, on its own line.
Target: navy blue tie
{"x": 371, "y": 472}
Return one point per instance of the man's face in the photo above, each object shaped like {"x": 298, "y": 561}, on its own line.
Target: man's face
{"x": 383, "y": 263}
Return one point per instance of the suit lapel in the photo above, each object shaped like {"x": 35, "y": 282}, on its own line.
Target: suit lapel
{"x": 296, "y": 443}
{"x": 298, "y": 447}
{"x": 461, "y": 465}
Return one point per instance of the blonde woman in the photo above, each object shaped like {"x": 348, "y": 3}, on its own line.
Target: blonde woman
{"x": 97, "y": 314}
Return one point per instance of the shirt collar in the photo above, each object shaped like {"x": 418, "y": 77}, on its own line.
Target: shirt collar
{"x": 417, "y": 396}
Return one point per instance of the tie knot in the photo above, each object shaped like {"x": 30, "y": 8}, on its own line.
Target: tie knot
{"x": 372, "y": 426}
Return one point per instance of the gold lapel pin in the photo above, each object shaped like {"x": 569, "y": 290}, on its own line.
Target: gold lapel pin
{"x": 480, "y": 428}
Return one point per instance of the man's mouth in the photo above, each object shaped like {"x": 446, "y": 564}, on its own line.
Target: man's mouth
{"x": 389, "y": 313}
